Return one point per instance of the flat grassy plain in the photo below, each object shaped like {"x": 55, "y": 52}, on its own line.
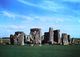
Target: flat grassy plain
{"x": 40, "y": 51}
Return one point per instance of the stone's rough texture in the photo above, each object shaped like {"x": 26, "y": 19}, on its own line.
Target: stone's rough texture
{"x": 56, "y": 36}
{"x": 69, "y": 40}
{"x": 46, "y": 37}
{"x": 11, "y": 39}
{"x": 17, "y": 38}
{"x": 21, "y": 39}
{"x": 65, "y": 39}
{"x": 36, "y": 35}
{"x": 51, "y": 35}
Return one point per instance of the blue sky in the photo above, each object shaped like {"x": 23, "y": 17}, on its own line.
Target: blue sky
{"x": 21, "y": 15}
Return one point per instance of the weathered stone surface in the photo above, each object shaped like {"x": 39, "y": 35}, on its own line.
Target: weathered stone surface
{"x": 51, "y": 35}
{"x": 65, "y": 39}
{"x": 36, "y": 35}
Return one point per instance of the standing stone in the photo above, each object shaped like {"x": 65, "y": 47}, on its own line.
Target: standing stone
{"x": 46, "y": 37}
{"x": 51, "y": 33}
{"x": 15, "y": 40}
{"x": 65, "y": 39}
{"x": 69, "y": 39}
{"x": 57, "y": 36}
{"x": 12, "y": 39}
{"x": 36, "y": 35}
{"x": 21, "y": 39}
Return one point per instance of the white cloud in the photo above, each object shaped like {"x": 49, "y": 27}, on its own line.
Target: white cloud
{"x": 58, "y": 8}
{"x": 14, "y": 16}
{"x": 45, "y": 4}
{"x": 50, "y": 19}
{"x": 8, "y": 14}
{"x": 27, "y": 3}
{"x": 31, "y": 17}
{"x": 12, "y": 27}
{"x": 51, "y": 5}
{"x": 72, "y": 0}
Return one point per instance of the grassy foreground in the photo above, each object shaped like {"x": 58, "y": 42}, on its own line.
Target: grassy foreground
{"x": 37, "y": 51}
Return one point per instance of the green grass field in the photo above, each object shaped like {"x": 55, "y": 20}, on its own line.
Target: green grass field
{"x": 37, "y": 51}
